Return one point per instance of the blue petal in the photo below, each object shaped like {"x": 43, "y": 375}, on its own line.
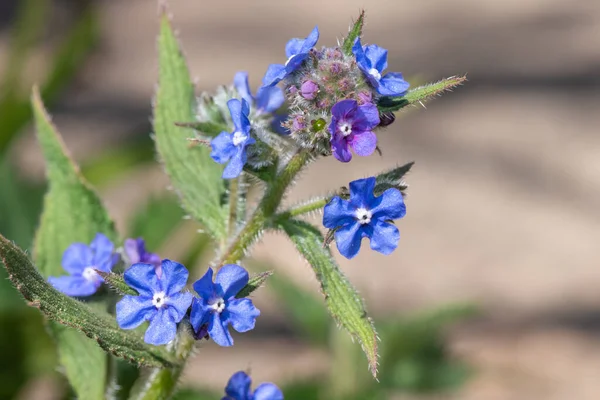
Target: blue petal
{"x": 310, "y": 40}
{"x": 178, "y": 304}
{"x": 218, "y": 331}
{"x": 377, "y": 57}
{"x": 340, "y": 149}
{"x": 236, "y": 164}
{"x": 76, "y": 258}
{"x": 142, "y": 277}
{"x": 238, "y": 386}
{"x": 174, "y": 276}
{"x": 132, "y": 311}
{"x": 393, "y": 84}
{"x": 361, "y": 58}
{"x": 367, "y": 118}
{"x": 348, "y": 239}
{"x": 102, "y": 248}
{"x": 245, "y": 122}
{"x": 232, "y": 278}
{"x": 134, "y": 248}
{"x": 235, "y": 110}
{"x": 75, "y": 286}
{"x": 361, "y": 192}
{"x": 293, "y": 47}
{"x": 242, "y": 314}
{"x": 200, "y": 313}
{"x": 274, "y": 74}
{"x": 390, "y": 205}
{"x": 385, "y": 237}
{"x": 363, "y": 143}
{"x": 338, "y": 212}
{"x": 162, "y": 329}
{"x": 240, "y": 82}
{"x": 222, "y": 147}
{"x": 205, "y": 286}
{"x": 269, "y": 99}
{"x": 267, "y": 391}
{"x": 342, "y": 110}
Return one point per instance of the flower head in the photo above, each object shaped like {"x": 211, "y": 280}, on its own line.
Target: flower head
{"x": 160, "y": 300}
{"x": 81, "y": 262}
{"x": 267, "y": 99}
{"x": 365, "y": 215}
{"x": 135, "y": 251}
{"x": 238, "y": 388}
{"x": 372, "y": 60}
{"x": 218, "y": 307}
{"x": 351, "y": 126}
{"x": 232, "y": 146}
{"x": 296, "y": 51}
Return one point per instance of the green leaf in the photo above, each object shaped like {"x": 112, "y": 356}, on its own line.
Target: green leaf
{"x": 254, "y": 283}
{"x": 419, "y": 95}
{"x": 195, "y": 176}
{"x": 206, "y": 128}
{"x": 342, "y": 300}
{"x": 117, "y": 282}
{"x": 156, "y": 220}
{"x": 99, "y": 326}
{"x": 354, "y": 33}
{"x": 392, "y": 179}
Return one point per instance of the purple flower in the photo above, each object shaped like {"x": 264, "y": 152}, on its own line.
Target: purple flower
{"x": 238, "y": 388}
{"x": 365, "y": 215}
{"x": 296, "y": 51}
{"x": 135, "y": 251}
{"x": 160, "y": 300}
{"x": 351, "y": 126}
{"x": 372, "y": 60}
{"x": 267, "y": 99}
{"x": 218, "y": 306}
{"x": 232, "y": 146}
{"x": 81, "y": 262}
{"x": 309, "y": 90}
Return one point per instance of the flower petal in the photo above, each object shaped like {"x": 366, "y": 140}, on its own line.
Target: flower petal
{"x": 377, "y": 56}
{"x": 102, "y": 248}
{"x": 218, "y": 331}
{"x": 361, "y": 58}
{"x": 267, "y": 391}
{"x": 238, "y": 386}
{"x": 390, "y": 205}
{"x": 293, "y": 47}
{"x": 393, "y": 84}
{"x": 363, "y": 143}
{"x": 242, "y": 314}
{"x": 385, "y": 237}
{"x": 162, "y": 328}
{"x": 236, "y": 164}
{"x": 75, "y": 286}
{"x": 310, "y": 40}
{"x": 132, "y": 311}
{"x": 237, "y": 115}
{"x": 269, "y": 99}
{"x": 231, "y": 278}
{"x": 76, "y": 258}
{"x": 361, "y": 192}
{"x": 178, "y": 304}
{"x": 200, "y": 313}
{"x": 367, "y": 117}
{"x": 348, "y": 239}
{"x": 174, "y": 276}
{"x": 342, "y": 110}
{"x": 222, "y": 147}
{"x": 274, "y": 74}
{"x": 134, "y": 248}
{"x": 240, "y": 82}
{"x": 142, "y": 277}
{"x": 205, "y": 286}
{"x": 338, "y": 212}
{"x": 339, "y": 147}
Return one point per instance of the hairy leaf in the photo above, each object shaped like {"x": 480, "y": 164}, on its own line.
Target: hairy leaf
{"x": 195, "y": 176}
{"x": 355, "y": 32}
{"x": 117, "y": 282}
{"x": 99, "y": 326}
{"x": 394, "y": 178}
{"x": 254, "y": 283}
{"x": 419, "y": 95}
{"x": 343, "y": 302}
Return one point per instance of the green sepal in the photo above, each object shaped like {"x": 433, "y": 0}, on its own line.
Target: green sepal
{"x": 254, "y": 283}
{"x": 342, "y": 300}
{"x": 419, "y": 95}
{"x": 117, "y": 283}
{"x": 355, "y": 32}
{"x": 99, "y": 326}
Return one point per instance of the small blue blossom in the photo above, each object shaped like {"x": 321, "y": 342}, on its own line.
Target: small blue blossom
{"x": 365, "y": 215}
{"x": 232, "y": 146}
{"x": 372, "y": 60}
{"x": 160, "y": 300}
{"x": 296, "y": 51}
{"x": 135, "y": 251}
{"x": 217, "y": 306}
{"x": 238, "y": 388}
{"x": 267, "y": 99}
{"x": 81, "y": 262}
{"x": 352, "y": 126}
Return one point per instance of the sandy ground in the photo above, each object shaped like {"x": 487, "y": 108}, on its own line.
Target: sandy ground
{"x": 502, "y": 207}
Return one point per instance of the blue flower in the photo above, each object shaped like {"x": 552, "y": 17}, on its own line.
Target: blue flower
{"x": 365, "y": 215}
{"x": 135, "y": 250}
{"x": 267, "y": 99}
{"x": 81, "y": 262}
{"x": 218, "y": 307}
{"x": 352, "y": 126}
{"x": 160, "y": 300}
{"x": 238, "y": 388}
{"x": 372, "y": 60}
{"x": 232, "y": 146}
{"x": 296, "y": 51}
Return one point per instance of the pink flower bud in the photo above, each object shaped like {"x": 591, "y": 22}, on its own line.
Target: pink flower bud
{"x": 309, "y": 90}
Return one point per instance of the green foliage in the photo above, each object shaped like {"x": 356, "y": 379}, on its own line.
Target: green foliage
{"x": 254, "y": 283}
{"x": 156, "y": 221}
{"x": 355, "y": 32}
{"x": 196, "y": 178}
{"x": 419, "y": 95}
{"x": 342, "y": 300}
{"x": 394, "y": 178}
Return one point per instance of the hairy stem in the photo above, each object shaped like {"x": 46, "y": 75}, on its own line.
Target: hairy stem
{"x": 306, "y": 208}
{"x": 233, "y": 205}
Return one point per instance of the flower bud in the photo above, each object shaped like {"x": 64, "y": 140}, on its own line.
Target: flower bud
{"x": 309, "y": 90}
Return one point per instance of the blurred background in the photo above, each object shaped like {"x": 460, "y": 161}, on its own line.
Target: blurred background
{"x": 493, "y": 292}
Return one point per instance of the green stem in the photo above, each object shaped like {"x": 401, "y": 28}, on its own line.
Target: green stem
{"x": 233, "y": 205}
{"x": 306, "y": 208}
